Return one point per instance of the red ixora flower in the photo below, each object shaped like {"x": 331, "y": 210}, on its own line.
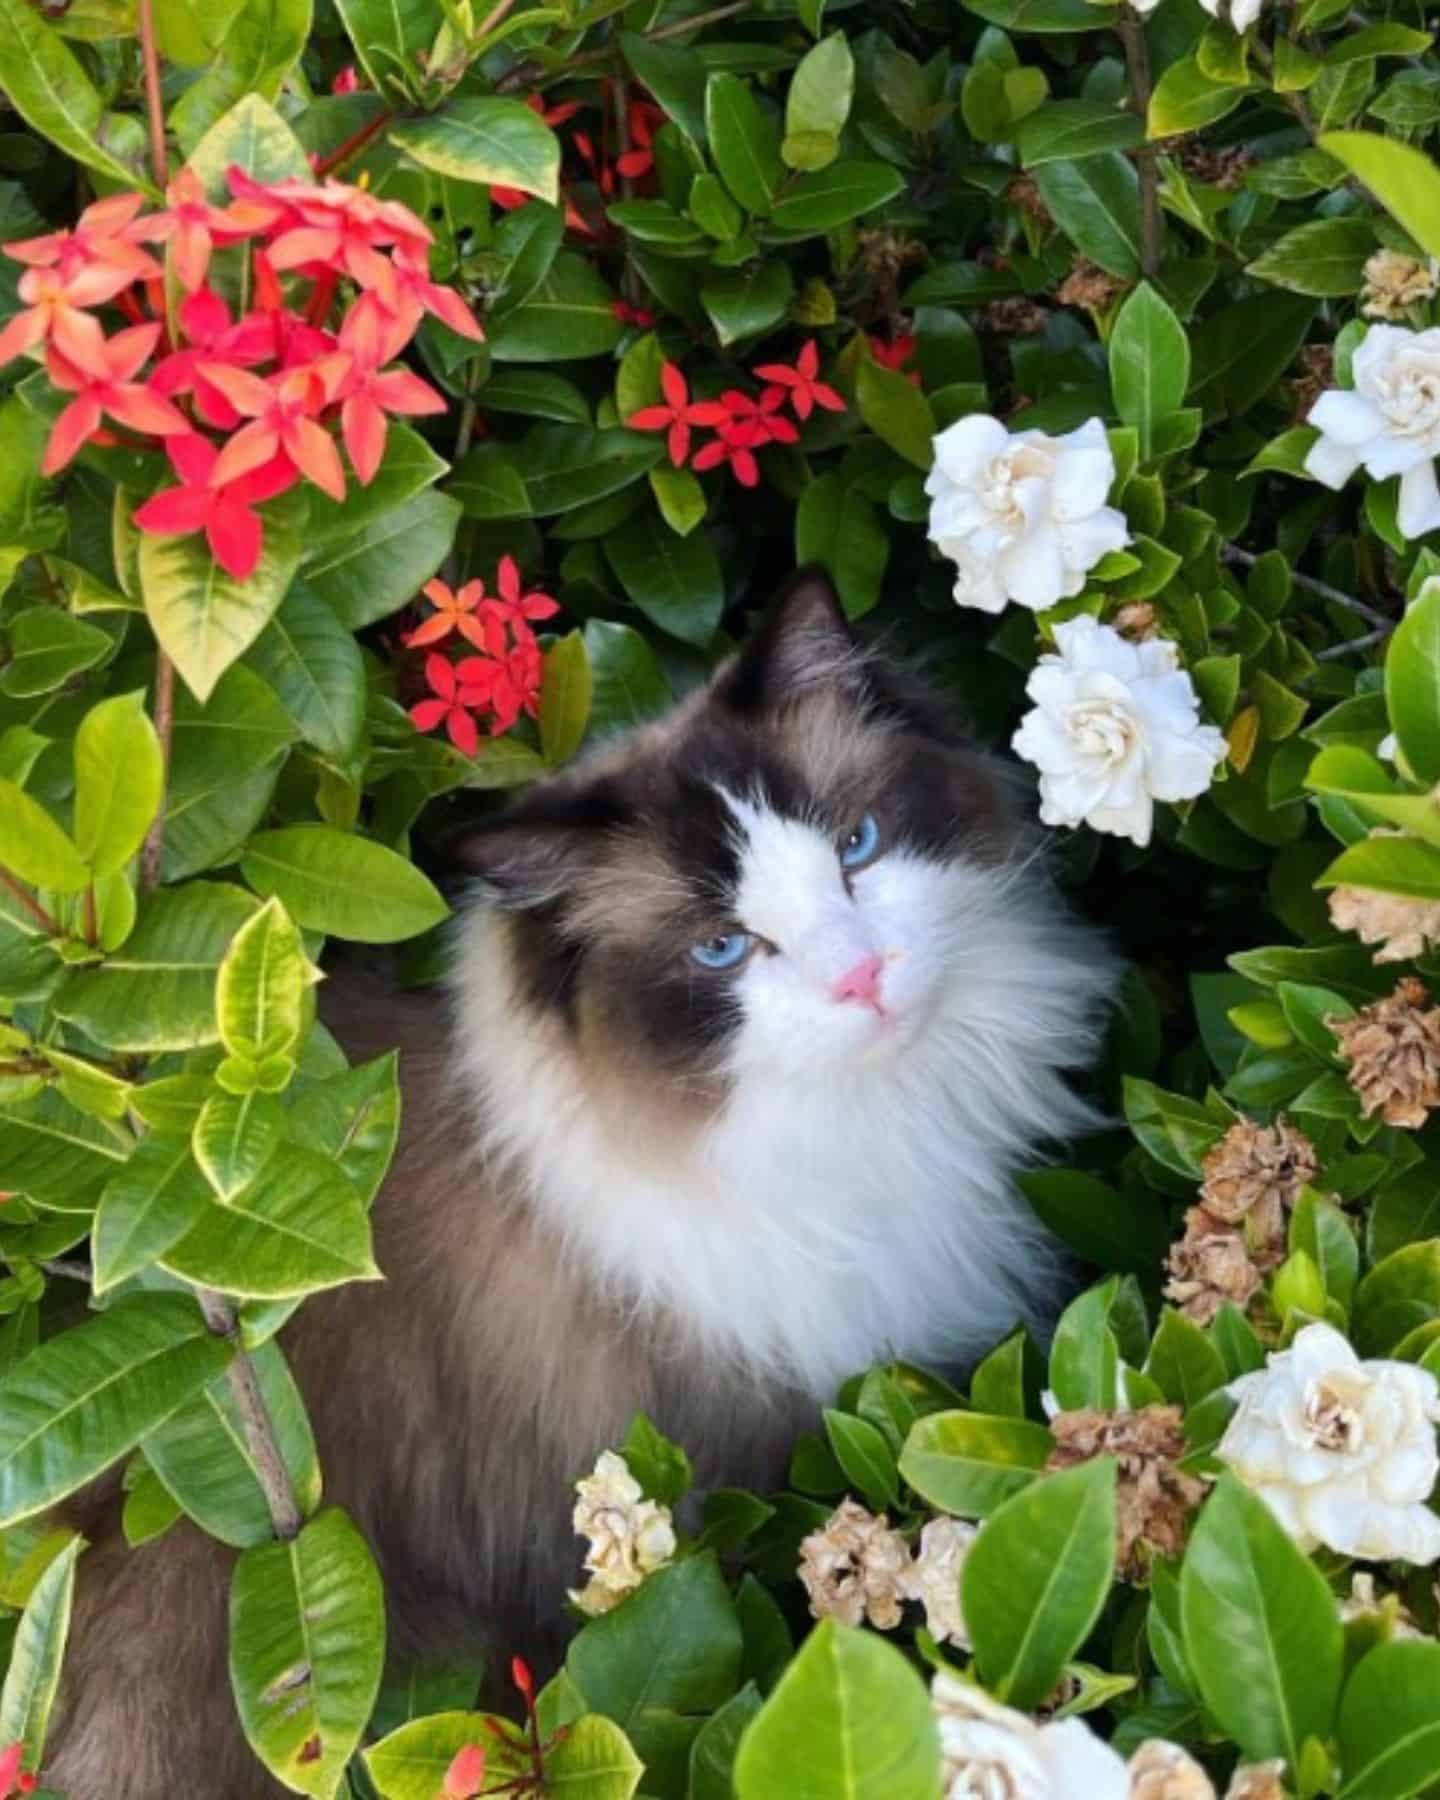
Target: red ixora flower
{"x": 118, "y": 395}
{"x": 99, "y": 236}
{"x": 13, "y": 1779}
{"x": 194, "y": 229}
{"x": 679, "y": 412}
{"x": 806, "y": 393}
{"x": 895, "y": 355}
{"x": 455, "y": 612}
{"x": 456, "y": 689}
{"x": 223, "y": 511}
{"x": 368, "y": 390}
{"x": 212, "y": 336}
{"x": 632, "y": 315}
{"x": 466, "y": 1774}
{"x": 54, "y": 313}
{"x": 281, "y": 423}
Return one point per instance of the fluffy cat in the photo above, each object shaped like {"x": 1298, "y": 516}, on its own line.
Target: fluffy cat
{"x": 761, "y": 1008}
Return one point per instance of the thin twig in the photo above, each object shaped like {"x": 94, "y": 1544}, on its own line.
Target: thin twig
{"x": 255, "y": 1420}
{"x": 164, "y": 724}
{"x": 353, "y": 145}
{"x": 494, "y": 18}
{"x": 524, "y": 73}
{"x": 1367, "y": 642}
{"x": 45, "y": 920}
{"x": 1232, "y": 553}
{"x": 1137, "y": 56}
{"x": 72, "y": 1271}
{"x": 154, "y": 101}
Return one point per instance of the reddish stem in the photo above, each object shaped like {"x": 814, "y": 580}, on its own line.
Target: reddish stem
{"x": 355, "y": 143}
{"x": 46, "y": 921}
{"x": 154, "y": 102}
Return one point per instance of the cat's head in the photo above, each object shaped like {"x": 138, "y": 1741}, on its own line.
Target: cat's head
{"x": 777, "y": 876}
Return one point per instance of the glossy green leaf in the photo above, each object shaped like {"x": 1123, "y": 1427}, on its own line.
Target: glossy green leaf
{"x": 313, "y": 664}
{"x": 347, "y": 886}
{"x": 1403, "y": 178}
{"x": 47, "y": 85}
{"x": 968, "y": 1463}
{"x": 354, "y": 1119}
{"x": 1324, "y": 256}
{"x": 1390, "y": 1724}
{"x": 261, "y": 47}
{"x": 486, "y": 138}
{"x": 1062, "y": 130}
{"x": 570, "y": 314}
{"x": 46, "y": 648}
{"x": 630, "y": 685}
{"x": 33, "y": 1676}
{"x": 410, "y": 1763}
{"x": 153, "y": 1200}
{"x": 235, "y": 1136}
{"x": 675, "y": 582}
{"x": 567, "y": 691}
{"x": 896, "y": 411}
{"x": 1149, "y": 363}
{"x": 119, "y": 781}
{"x": 36, "y": 849}
{"x": 743, "y": 142}
{"x": 1096, "y": 203}
{"x": 370, "y": 573}
{"x": 821, "y": 200}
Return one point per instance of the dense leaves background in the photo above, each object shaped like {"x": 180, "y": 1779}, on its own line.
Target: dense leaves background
{"x": 1048, "y": 210}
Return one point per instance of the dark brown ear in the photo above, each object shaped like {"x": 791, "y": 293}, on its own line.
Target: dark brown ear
{"x": 535, "y": 852}
{"x": 804, "y": 642}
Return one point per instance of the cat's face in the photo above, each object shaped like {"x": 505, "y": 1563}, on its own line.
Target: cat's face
{"x": 773, "y": 879}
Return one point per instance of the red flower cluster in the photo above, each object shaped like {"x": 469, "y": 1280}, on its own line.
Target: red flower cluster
{"x": 13, "y": 1779}
{"x": 504, "y": 679}
{"x": 271, "y": 382}
{"x": 642, "y": 119}
{"x": 742, "y": 423}
{"x": 895, "y": 355}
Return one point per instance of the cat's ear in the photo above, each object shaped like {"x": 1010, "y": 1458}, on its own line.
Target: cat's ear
{"x": 804, "y": 642}
{"x": 537, "y": 851}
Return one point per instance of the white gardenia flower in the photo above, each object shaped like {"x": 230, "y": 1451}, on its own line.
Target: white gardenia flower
{"x": 1115, "y": 727}
{"x": 935, "y": 1577}
{"x": 1342, "y": 1451}
{"x": 1022, "y": 515}
{"x": 630, "y": 1536}
{"x": 1388, "y": 423}
{"x": 991, "y": 1752}
{"x": 1242, "y": 14}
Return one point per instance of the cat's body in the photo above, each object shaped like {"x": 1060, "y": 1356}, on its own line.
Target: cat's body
{"x": 631, "y": 1179}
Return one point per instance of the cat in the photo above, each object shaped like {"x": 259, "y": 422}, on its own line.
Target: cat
{"x": 757, "y": 1011}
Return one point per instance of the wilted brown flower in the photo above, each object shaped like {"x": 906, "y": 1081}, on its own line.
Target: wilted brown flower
{"x": 1393, "y": 284}
{"x": 1016, "y": 317}
{"x": 1403, "y": 928}
{"x": 1163, "y": 1771}
{"x": 1221, "y": 168}
{"x": 856, "y": 1568}
{"x": 1024, "y": 194}
{"x": 1393, "y": 1049}
{"x": 1089, "y": 286}
{"x": 1254, "y": 1175}
{"x": 1153, "y": 1497}
{"x": 1136, "y": 621}
{"x": 1317, "y": 372}
{"x": 1257, "y": 1781}
{"x": 1209, "y": 1266}
{"x": 887, "y": 253}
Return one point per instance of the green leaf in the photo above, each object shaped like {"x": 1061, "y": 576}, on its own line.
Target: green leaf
{"x": 1037, "y": 15}
{"x": 251, "y": 136}
{"x": 849, "y": 1719}
{"x": 743, "y": 142}
{"x": 354, "y": 1119}
{"x": 36, "y": 849}
{"x": 1176, "y": 1131}
{"x": 821, "y": 89}
{"x": 1096, "y": 203}
{"x": 896, "y": 411}
{"x": 571, "y": 314}
{"x": 630, "y": 685}
{"x": 712, "y": 1755}
{"x": 676, "y": 77}
{"x": 594, "y": 1760}
{"x": 1262, "y": 1633}
{"x": 564, "y": 467}
{"x": 1186, "y": 99}
{"x": 486, "y": 138}
{"x": 1112, "y": 1230}
{"x": 1084, "y": 1355}
{"x": 679, "y": 496}
{"x": 119, "y": 781}
{"x": 262, "y": 46}
{"x": 1036, "y": 1578}
{"x": 410, "y": 1763}
{"x": 968, "y": 1463}
{"x": 56, "y": 1155}
{"x": 1325, "y": 257}
{"x": 297, "y": 1228}
{"x": 47, "y": 647}
{"x": 1149, "y": 363}
{"x": 1390, "y": 865}
{"x": 837, "y": 527}
{"x": 489, "y": 486}
{"x": 660, "y": 1466}
{"x": 204, "y": 618}
{"x": 863, "y": 1454}
{"x": 28, "y": 516}
{"x": 314, "y": 666}
{"x": 1239, "y": 352}
{"x": 1412, "y": 684}
{"x": 1183, "y": 1363}
{"x": 33, "y": 1676}
{"x": 671, "y": 1650}
{"x": 1389, "y": 1722}
{"x": 387, "y": 33}
{"x": 260, "y": 990}
{"x": 307, "y": 1648}
{"x": 567, "y": 689}
{"x": 225, "y": 756}
{"x": 367, "y": 574}
{"x": 201, "y": 1457}
{"x": 86, "y": 1397}
{"x": 1064, "y": 130}
{"x": 158, "y": 992}
{"x": 46, "y": 84}
{"x": 675, "y": 582}
{"x": 745, "y": 302}
{"x": 1318, "y": 1227}
{"x": 1397, "y": 1295}
{"x": 346, "y": 886}
{"x": 829, "y": 197}
{"x": 151, "y": 1203}
{"x": 1402, "y": 178}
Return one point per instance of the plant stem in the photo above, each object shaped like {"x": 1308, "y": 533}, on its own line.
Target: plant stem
{"x": 1368, "y": 641}
{"x": 353, "y": 145}
{"x": 1137, "y": 56}
{"x": 154, "y": 103}
{"x": 494, "y": 18}
{"x": 1232, "y": 553}
{"x": 164, "y": 722}
{"x": 45, "y": 920}
{"x": 72, "y": 1271}
{"x": 526, "y": 73}
{"x": 255, "y": 1420}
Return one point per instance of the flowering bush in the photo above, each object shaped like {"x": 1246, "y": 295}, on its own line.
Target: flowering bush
{"x": 393, "y": 400}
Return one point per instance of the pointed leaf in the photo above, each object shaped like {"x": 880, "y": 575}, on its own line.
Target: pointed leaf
{"x": 119, "y": 780}
{"x": 33, "y": 1677}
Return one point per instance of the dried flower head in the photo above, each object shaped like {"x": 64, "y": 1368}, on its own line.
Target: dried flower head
{"x": 1024, "y": 194}
{"x": 1136, "y": 621}
{"x": 856, "y": 1568}
{"x": 1254, "y": 1176}
{"x": 1209, "y": 1266}
{"x": 1316, "y": 363}
{"x": 935, "y": 1577}
{"x": 1089, "y": 286}
{"x": 1258, "y": 1781}
{"x": 630, "y": 1536}
{"x": 1403, "y": 928}
{"x": 1016, "y": 317}
{"x": 1160, "y": 1770}
{"x": 1393, "y": 284}
{"x": 1153, "y": 1497}
{"x": 1221, "y": 168}
{"x": 1393, "y": 1049}
{"x": 886, "y": 253}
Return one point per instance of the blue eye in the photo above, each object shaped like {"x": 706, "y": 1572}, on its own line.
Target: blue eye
{"x": 726, "y": 951}
{"x": 861, "y": 844}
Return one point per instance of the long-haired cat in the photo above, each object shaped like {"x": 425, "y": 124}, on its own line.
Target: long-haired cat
{"x": 757, "y": 1011}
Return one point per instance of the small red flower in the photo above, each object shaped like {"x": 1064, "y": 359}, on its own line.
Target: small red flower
{"x": 895, "y": 355}
{"x": 368, "y": 390}
{"x": 734, "y": 444}
{"x": 282, "y": 423}
{"x": 347, "y": 81}
{"x": 762, "y": 418}
{"x": 632, "y": 315}
{"x": 54, "y": 313}
{"x": 514, "y": 605}
{"x": 805, "y": 391}
{"x": 456, "y": 687}
{"x": 118, "y": 395}
{"x": 524, "y": 1681}
{"x": 13, "y": 1779}
{"x": 194, "y": 229}
{"x": 208, "y": 330}
{"x": 99, "y": 235}
{"x": 642, "y": 117}
{"x": 678, "y": 413}
{"x": 467, "y": 612}
{"x": 466, "y": 1774}
{"x": 221, "y": 510}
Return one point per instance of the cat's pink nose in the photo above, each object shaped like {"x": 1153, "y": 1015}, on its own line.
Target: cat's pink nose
{"x": 862, "y": 983}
